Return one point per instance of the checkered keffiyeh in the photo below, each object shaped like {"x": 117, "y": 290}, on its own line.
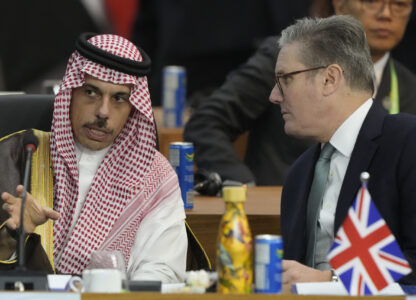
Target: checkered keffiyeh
{"x": 131, "y": 180}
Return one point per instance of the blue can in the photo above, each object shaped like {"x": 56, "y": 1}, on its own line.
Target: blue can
{"x": 268, "y": 254}
{"x": 181, "y": 157}
{"x": 173, "y": 96}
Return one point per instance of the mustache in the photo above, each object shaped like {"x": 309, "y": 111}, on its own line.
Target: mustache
{"x": 99, "y": 123}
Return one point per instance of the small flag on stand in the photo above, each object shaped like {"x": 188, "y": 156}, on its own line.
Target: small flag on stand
{"x": 365, "y": 254}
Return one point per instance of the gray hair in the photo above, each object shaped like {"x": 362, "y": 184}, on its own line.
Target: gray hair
{"x": 335, "y": 40}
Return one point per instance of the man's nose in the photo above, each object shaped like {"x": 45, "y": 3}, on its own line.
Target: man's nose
{"x": 103, "y": 110}
{"x": 276, "y": 96}
{"x": 385, "y": 9}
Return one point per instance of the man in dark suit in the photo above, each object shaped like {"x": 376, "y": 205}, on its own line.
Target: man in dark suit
{"x": 324, "y": 86}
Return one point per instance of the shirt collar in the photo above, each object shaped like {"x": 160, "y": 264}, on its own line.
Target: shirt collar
{"x": 346, "y": 135}
{"x": 379, "y": 68}
{"x": 95, "y": 155}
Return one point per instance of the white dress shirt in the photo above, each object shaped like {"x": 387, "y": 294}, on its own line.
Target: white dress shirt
{"x": 343, "y": 141}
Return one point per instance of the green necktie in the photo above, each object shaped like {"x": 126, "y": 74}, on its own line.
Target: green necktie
{"x": 316, "y": 195}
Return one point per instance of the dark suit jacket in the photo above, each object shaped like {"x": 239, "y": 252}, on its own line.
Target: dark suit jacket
{"x": 386, "y": 148}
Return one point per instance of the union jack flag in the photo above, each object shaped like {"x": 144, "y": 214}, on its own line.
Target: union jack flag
{"x": 365, "y": 254}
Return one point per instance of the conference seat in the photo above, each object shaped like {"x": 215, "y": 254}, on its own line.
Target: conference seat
{"x": 25, "y": 111}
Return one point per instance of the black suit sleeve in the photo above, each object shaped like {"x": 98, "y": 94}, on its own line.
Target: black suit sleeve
{"x": 407, "y": 88}
{"x": 231, "y": 111}
{"x": 407, "y": 208}
{"x": 35, "y": 257}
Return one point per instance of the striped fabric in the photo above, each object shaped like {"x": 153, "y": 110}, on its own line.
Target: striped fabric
{"x": 120, "y": 180}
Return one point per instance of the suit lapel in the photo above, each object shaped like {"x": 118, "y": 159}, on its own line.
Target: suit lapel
{"x": 309, "y": 169}
{"x": 361, "y": 157}
{"x": 294, "y": 198}
{"x": 304, "y": 187}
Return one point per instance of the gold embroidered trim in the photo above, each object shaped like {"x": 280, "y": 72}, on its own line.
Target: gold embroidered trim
{"x": 202, "y": 248}
{"x": 41, "y": 188}
{"x": 7, "y": 136}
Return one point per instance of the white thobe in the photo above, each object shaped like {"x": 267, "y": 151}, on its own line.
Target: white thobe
{"x": 160, "y": 245}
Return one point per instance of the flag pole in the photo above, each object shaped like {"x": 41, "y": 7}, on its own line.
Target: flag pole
{"x": 364, "y": 177}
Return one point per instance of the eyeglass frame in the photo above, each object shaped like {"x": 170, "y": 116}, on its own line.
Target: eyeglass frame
{"x": 389, "y": 3}
{"x": 277, "y": 77}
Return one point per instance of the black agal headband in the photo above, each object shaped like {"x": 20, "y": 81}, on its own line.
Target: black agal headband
{"x": 98, "y": 55}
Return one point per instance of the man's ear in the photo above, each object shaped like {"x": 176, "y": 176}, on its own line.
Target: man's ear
{"x": 339, "y": 6}
{"x": 332, "y": 79}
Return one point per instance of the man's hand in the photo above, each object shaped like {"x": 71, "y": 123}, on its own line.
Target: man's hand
{"x": 294, "y": 272}
{"x": 35, "y": 214}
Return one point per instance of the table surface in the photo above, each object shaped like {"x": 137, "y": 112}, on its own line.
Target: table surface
{"x": 208, "y": 296}
{"x": 261, "y": 200}
{"x": 214, "y": 296}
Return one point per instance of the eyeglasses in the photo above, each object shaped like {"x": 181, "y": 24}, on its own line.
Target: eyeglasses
{"x": 398, "y": 8}
{"x": 284, "y": 76}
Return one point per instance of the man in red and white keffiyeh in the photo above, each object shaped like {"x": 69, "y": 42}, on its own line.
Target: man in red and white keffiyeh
{"x": 113, "y": 190}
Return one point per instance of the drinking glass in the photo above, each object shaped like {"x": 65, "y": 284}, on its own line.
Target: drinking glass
{"x": 108, "y": 259}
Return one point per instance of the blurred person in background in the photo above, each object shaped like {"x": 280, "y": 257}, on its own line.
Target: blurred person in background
{"x": 209, "y": 38}
{"x": 36, "y": 39}
{"x": 36, "y": 36}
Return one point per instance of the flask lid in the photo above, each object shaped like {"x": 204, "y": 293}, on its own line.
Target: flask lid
{"x": 234, "y": 194}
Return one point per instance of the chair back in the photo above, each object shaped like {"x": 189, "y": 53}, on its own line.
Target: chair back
{"x": 25, "y": 111}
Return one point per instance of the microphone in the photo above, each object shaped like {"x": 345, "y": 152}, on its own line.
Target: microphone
{"x": 30, "y": 143}
{"x": 21, "y": 279}
{"x": 210, "y": 186}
